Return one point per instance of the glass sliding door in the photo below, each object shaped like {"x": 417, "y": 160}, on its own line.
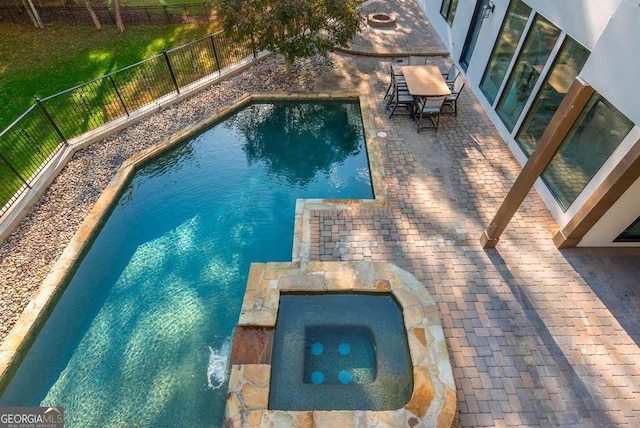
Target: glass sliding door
{"x": 506, "y": 44}
{"x": 598, "y": 131}
{"x": 569, "y": 62}
{"x": 472, "y": 36}
{"x": 532, "y": 58}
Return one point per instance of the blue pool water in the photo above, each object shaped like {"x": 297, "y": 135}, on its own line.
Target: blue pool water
{"x": 141, "y": 335}
{"x": 339, "y": 354}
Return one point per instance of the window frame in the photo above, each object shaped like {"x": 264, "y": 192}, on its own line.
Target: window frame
{"x": 510, "y": 81}
{"x": 583, "y": 120}
{"x": 493, "y": 99}
{"x": 526, "y": 117}
{"x": 450, "y": 13}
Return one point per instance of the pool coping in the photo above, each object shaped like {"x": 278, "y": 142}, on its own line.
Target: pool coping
{"x": 17, "y": 343}
{"x": 434, "y": 397}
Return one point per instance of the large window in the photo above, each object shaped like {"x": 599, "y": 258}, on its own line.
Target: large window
{"x": 506, "y": 44}
{"x": 534, "y": 54}
{"x": 448, "y": 10}
{"x": 568, "y": 64}
{"x": 598, "y": 131}
{"x": 631, "y": 233}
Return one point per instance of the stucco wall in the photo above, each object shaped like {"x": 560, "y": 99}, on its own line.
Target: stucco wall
{"x": 612, "y": 68}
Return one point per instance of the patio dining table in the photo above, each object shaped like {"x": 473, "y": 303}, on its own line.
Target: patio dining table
{"x": 425, "y": 81}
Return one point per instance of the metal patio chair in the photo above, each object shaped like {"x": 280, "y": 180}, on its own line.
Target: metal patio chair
{"x": 400, "y": 97}
{"x": 451, "y": 75}
{"x": 417, "y": 60}
{"x": 429, "y": 107}
{"x": 395, "y": 75}
{"x": 451, "y": 101}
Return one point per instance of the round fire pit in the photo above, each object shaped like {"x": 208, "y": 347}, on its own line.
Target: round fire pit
{"x": 381, "y": 20}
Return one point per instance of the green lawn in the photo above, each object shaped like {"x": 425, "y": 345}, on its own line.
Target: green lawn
{"x": 44, "y": 62}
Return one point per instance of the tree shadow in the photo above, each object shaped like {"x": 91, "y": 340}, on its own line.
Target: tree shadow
{"x": 294, "y": 141}
{"x": 585, "y": 400}
{"x": 612, "y": 274}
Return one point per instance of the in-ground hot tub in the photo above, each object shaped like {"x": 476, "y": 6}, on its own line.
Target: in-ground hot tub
{"x": 335, "y": 351}
{"x": 311, "y": 338}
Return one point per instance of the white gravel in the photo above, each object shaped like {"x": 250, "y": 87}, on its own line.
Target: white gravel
{"x": 28, "y": 255}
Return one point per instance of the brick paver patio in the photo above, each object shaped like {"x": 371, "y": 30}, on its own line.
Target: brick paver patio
{"x": 538, "y": 336}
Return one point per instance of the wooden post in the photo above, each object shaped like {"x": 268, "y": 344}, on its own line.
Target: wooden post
{"x": 570, "y": 108}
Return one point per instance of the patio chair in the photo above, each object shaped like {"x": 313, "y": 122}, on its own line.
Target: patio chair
{"x": 451, "y": 101}
{"x": 451, "y": 75}
{"x": 397, "y": 83}
{"x": 395, "y": 74}
{"x": 417, "y": 60}
{"x": 429, "y": 107}
{"x": 400, "y": 97}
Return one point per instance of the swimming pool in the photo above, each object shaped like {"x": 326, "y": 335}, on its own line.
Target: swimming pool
{"x": 141, "y": 334}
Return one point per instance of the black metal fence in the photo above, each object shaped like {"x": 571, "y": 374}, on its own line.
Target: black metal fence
{"x": 44, "y": 129}
{"x": 131, "y": 15}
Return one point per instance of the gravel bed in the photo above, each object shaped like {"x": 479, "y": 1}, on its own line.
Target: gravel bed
{"x": 28, "y": 255}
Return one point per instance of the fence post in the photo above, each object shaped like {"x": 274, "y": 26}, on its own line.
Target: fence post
{"x": 173, "y": 76}
{"x": 119, "y": 96}
{"x": 50, "y": 119}
{"x": 15, "y": 171}
{"x": 215, "y": 53}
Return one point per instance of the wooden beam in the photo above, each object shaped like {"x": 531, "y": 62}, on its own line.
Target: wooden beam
{"x": 570, "y": 108}
{"x": 625, "y": 173}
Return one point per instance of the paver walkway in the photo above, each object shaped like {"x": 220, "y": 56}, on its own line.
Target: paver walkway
{"x": 538, "y": 336}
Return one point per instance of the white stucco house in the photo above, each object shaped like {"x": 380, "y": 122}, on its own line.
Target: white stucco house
{"x": 520, "y": 57}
